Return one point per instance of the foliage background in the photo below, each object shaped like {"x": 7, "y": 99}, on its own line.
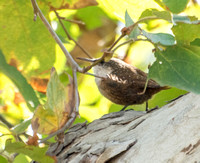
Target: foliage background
{"x": 29, "y": 48}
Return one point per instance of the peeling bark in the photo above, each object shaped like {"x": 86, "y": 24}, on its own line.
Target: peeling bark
{"x": 169, "y": 134}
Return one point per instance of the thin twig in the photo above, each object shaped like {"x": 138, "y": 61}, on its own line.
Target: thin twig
{"x": 97, "y": 76}
{"x": 76, "y": 94}
{"x": 127, "y": 42}
{"x": 131, "y": 27}
{"x": 69, "y": 36}
{"x": 72, "y": 21}
{"x": 120, "y": 37}
{"x": 94, "y": 63}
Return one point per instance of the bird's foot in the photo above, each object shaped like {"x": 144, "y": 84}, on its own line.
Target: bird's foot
{"x": 124, "y": 108}
{"x": 150, "y": 110}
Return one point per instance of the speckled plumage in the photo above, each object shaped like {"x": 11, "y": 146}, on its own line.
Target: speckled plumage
{"x": 121, "y": 83}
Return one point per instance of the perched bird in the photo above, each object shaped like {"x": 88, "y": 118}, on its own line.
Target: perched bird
{"x": 124, "y": 84}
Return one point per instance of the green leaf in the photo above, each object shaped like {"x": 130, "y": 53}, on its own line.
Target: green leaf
{"x": 56, "y": 111}
{"x": 128, "y": 22}
{"x": 20, "y": 128}
{"x": 179, "y": 67}
{"x": 176, "y": 6}
{"x": 159, "y": 14}
{"x": 34, "y": 152}
{"x": 24, "y": 40}
{"x": 25, "y": 89}
{"x": 160, "y": 38}
{"x": 21, "y": 158}
{"x": 56, "y": 93}
{"x": 186, "y": 33}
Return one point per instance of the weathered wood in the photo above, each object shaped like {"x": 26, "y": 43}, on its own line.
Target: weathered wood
{"x": 169, "y": 134}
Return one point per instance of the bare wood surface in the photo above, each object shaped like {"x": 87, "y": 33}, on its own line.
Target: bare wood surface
{"x": 169, "y": 134}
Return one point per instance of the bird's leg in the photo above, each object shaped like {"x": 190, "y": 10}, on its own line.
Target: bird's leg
{"x": 124, "y": 108}
{"x": 145, "y": 87}
{"x": 147, "y": 110}
{"x": 153, "y": 109}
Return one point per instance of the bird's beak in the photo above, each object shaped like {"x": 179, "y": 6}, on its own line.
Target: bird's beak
{"x": 87, "y": 59}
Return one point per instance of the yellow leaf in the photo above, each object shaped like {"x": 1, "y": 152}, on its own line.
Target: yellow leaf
{"x": 55, "y": 112}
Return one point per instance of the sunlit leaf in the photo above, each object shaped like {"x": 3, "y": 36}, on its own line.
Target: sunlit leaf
{"x": 56, "y": 111}
{"x": 24, "y": 40}
{"x": 160, "y": 38}
{"x": 21, "y": 158}
{"x": 186, "y": 33}
{"x": 179, "y": 67}
{"x": 128, "y": 22}
{"x": 21, "y": 83}
{"x": 34, "y": 152}
{"x": 159, "y": 14}
{"x": 176, "y": 6}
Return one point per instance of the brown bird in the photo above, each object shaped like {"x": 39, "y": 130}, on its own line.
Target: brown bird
{"x": 124, "y": 84}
